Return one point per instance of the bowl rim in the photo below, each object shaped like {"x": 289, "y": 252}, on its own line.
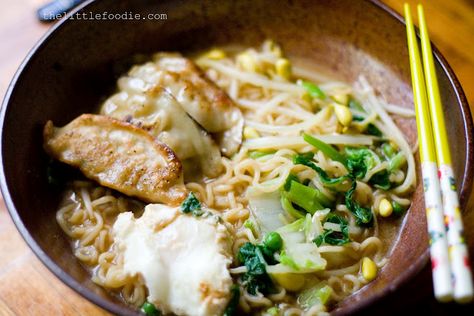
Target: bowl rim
{"x": 413, "y": 270}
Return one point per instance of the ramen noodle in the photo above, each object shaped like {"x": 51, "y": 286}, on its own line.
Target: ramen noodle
{"x": 302, "y": 198}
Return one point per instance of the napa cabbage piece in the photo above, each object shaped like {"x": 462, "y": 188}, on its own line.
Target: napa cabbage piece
{"x": 317, "y": 295}
{"x": 267, "y": 210}
{"x": 299, "y": 253}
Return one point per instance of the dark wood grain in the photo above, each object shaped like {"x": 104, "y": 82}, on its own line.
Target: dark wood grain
{"x": 28, "y": 288}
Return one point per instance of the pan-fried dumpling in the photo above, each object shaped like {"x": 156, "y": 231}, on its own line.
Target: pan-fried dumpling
{"x": 205, "y": 102}
{"x": 120, "y": 156}
{"x": 156, "y": 111}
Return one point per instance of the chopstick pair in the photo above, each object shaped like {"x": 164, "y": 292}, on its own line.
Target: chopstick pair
{"x": 449, "y": 255}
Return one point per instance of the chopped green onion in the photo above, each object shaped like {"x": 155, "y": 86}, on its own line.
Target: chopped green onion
{"x": 313, "y": 90}
{"x": 304, "y": 196}
{"x": 289, "y": 208}
{"x": 192, "y": 205}
{"x": 388, "y": 150}
{"x": 397, "y": 161}
{"x": 327, "y": 149}
{"x": 291, "y": 177}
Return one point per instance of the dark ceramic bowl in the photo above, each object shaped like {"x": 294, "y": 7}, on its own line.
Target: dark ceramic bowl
{"x": 74, "y": 66}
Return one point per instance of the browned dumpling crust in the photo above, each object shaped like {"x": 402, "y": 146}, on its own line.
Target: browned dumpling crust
{"x": 120, "y": 156}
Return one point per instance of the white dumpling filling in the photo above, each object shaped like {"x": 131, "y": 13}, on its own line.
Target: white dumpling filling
{"x": 182, "y": 259}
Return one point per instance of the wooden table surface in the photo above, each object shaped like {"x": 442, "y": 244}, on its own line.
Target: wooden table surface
{"x": 26, "y": 286}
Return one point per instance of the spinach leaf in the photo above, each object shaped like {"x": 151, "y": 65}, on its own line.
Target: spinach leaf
{"x": 364, "y": 216}
{"x": 256, "y": 278}
{"x": 231, "y": 308}
{"x": 381, "y": 180}
{"x": 305, "y": 159}
{"x": 373, "y": 130}
{"x": 192, "y": 205}
{"x": 360, "y": 160}
{"x": 332, "y": 237}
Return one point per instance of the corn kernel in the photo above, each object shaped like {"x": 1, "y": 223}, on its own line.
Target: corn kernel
{"x": 247, "y": 62}
{"x": 369, "y": 269}
{"x": 343, "y": 114}
{"x": 341, "y": 98}
{"x": 385, "y": 208}
{"x": 215, "y": 54}
{"x": 283, "y": 68}
{"x": 290, "y": 281}
{"x": 250, "y": 132}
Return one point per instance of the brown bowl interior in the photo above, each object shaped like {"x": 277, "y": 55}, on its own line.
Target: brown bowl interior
{"x": 75, "y": 66}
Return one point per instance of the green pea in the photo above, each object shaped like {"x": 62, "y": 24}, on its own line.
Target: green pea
{"x": 273, "y": 241}
{"x": 150, "y": 310}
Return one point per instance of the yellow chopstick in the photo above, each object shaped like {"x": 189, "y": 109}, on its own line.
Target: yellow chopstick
{"x": 458, "y": 253}
{"x": 434, "y": 214}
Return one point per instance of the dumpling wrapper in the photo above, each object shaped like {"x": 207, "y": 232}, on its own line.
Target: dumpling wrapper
{"x": 155, "y": 110}
{"x": 120, "y": 156}
{"x": 201, "y": 98}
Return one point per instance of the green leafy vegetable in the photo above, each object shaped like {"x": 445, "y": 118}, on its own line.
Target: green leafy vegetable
{"x": 327, "y": 149}
{"x": 381, "y": 180}
{"x": 305, "y": 159}
{"x": 287, "y": 185}
{"x": 192, "y": 205}
{"x": 398, "y": 210}
{"x": 313, "y": 90}
{"x": 299, "y": 254}
{"x": 373, "y": 130}
{"x": 363, "y": 216}
{"x": 360, "y": 160}
{"x": 231, "y": 308}
{"x": 150, "y": 310}
{"x": 332, "y": 237}
{"x": 288, "y": 206}
{"x": 256, "y": 278}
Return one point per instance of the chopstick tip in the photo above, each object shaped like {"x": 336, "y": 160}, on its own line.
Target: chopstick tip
{"x": 420, "y": 9}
